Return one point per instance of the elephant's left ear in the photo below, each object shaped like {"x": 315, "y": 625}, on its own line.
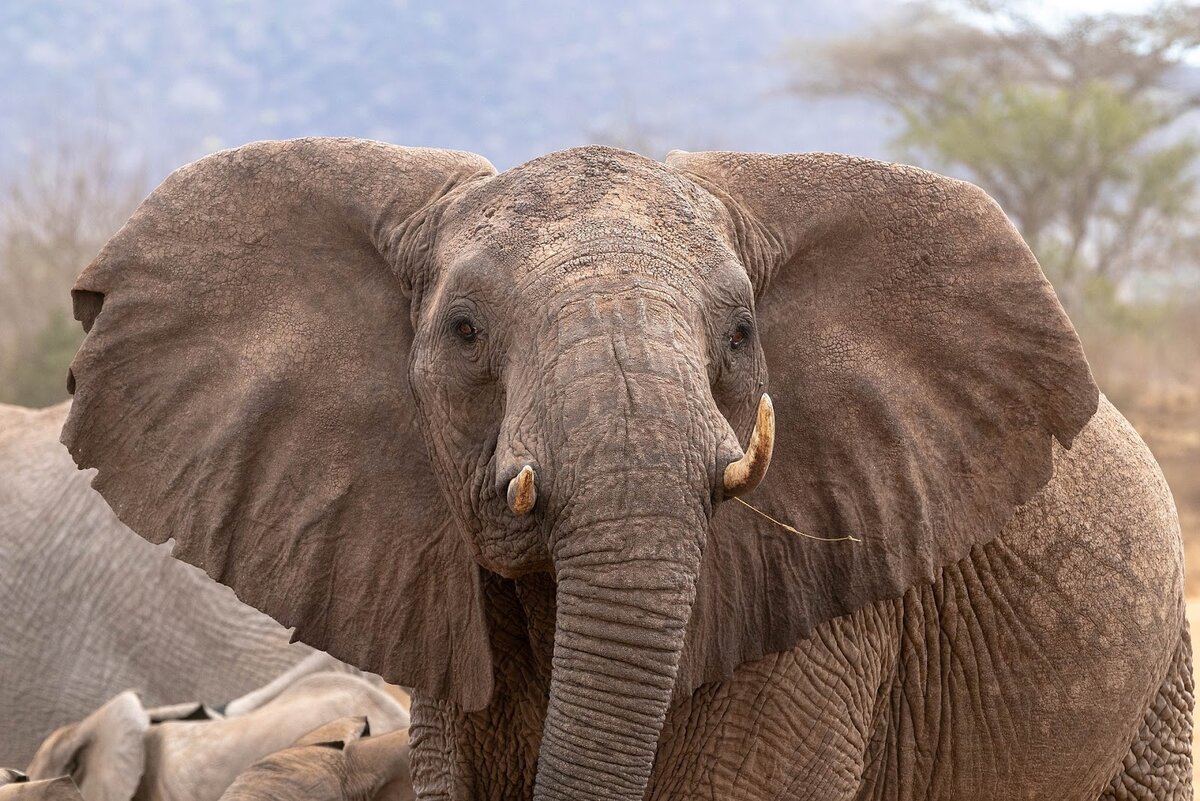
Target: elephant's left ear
{"x": 243, "y": 389}
{"x": 921, "y": 368}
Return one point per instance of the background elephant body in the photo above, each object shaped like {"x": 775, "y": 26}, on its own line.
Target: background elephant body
{"x": 186, "y": 752}
{"x": 62, "y": 789}
{"x": 90, "y": 609}
{"x": 334, "y": 763}
{"x": 196, "y": 762}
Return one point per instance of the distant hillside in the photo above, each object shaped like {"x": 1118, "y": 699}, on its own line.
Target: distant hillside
{"x": 507, "y": 79}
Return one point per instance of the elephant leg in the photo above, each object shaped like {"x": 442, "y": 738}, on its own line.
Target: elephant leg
{"x": 1158, "y": 765}
{"x": 490, "y": 755}
{"x": 794, "y": 725}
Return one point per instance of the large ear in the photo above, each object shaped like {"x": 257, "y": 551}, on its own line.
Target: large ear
{"x": 60, "y": 789}
{"x": 104, "y": 753}
{"x": 12, "y": 776}
{"x": 243, "y": 388}
{"x": 921, "y": 368}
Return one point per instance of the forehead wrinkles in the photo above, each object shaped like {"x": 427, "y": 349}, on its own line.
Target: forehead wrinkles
{"x": 578, "y": 214}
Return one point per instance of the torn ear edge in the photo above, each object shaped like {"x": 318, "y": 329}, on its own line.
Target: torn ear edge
{"x": 85, "y": 305}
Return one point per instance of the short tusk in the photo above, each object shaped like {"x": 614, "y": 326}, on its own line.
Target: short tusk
{"x": 744, "y": 474}
{"x": 522, "y": 491}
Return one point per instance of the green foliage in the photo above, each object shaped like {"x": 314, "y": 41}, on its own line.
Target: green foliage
{"x": 39, "y": 378}
{"x": 1080, "y": 168}
{"x": 1078, "y": 131}
{"x": 55, "y": 214}
{"x": 1075, "y": 130}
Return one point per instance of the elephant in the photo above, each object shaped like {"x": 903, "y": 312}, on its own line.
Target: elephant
{"x": 733, "y": 475}
{"x": 124, "y": 751}
{"x": 91, "y": 609}
{"x": 15, "y": 786}
{"x": 336, "y": 762}
{"x": 316, "y": 662}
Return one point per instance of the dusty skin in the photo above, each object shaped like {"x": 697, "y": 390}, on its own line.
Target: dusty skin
{"x": 190, "y": 752}
{"x": 90, "y": 610}
{"x": 346, "y": 352}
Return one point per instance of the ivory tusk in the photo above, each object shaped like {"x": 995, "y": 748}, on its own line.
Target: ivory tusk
{"x": 522, "y": 491}
{"x": 744, "y": 474}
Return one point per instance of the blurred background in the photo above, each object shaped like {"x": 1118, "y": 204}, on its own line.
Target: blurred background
{"x": 1079, "y": 117}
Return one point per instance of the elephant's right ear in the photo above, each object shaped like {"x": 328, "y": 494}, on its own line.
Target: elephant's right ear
{"x": 243, "y": 388}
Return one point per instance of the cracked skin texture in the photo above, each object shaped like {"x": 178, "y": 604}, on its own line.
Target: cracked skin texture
{"x": 961, "y": 689}
{"x": 272, "y": 376}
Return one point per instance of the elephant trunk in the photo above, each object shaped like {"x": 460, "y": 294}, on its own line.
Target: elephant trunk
{"x": 625, "y": 585}
{"x": 620, "y": 632}
{"x": 631, "y": 460}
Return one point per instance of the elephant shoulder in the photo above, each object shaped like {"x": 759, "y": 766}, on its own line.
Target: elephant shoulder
{"x": 1110, "y": 471}
{"x": 35, "y": 469}
{"x": 22, "y": 427}
{"x": 1107, "y": 501}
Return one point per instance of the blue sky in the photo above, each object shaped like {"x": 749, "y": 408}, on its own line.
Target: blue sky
{"x": 171, "y": 80}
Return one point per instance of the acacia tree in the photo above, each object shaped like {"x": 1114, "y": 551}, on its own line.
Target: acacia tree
{"x": 1080, "y": 131}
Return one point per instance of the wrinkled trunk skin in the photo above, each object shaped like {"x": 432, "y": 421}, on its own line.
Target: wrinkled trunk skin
{"x": 633, "y": 457}
{"x": 620, "y": 630}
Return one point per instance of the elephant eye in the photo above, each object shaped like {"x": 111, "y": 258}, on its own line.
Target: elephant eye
{"x": 739, "y": 336}
{"x": 465, "y": 330}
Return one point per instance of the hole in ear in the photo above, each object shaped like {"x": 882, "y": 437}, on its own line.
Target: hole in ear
{"x": 86, "y": 305}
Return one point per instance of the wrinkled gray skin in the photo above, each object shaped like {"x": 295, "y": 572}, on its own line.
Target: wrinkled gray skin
{"x": 1048, "y": 659}
{"x": 90, "y": 609}
{"x": 188, "y": 753}
{"x": 952, "y": 691}
{"x": 949, "y": 692}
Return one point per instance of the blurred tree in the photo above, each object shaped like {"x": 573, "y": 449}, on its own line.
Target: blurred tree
{"x": 54, "y": 216}
{"x": 1075, "y": 129}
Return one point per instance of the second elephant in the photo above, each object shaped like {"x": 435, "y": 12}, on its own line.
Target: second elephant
{"x": 91, "y": 609}
{"x": 187, "y": 752}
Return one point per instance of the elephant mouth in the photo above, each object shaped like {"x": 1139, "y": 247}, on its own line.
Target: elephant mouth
{"x": 740, "y": 476}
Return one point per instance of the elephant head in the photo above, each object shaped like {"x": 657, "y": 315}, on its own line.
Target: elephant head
{"x": 349, "y": 377}
{"x": 123, "y": 751}
{"x": 104, "y": 753}
{"x": 336, "y": 762}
